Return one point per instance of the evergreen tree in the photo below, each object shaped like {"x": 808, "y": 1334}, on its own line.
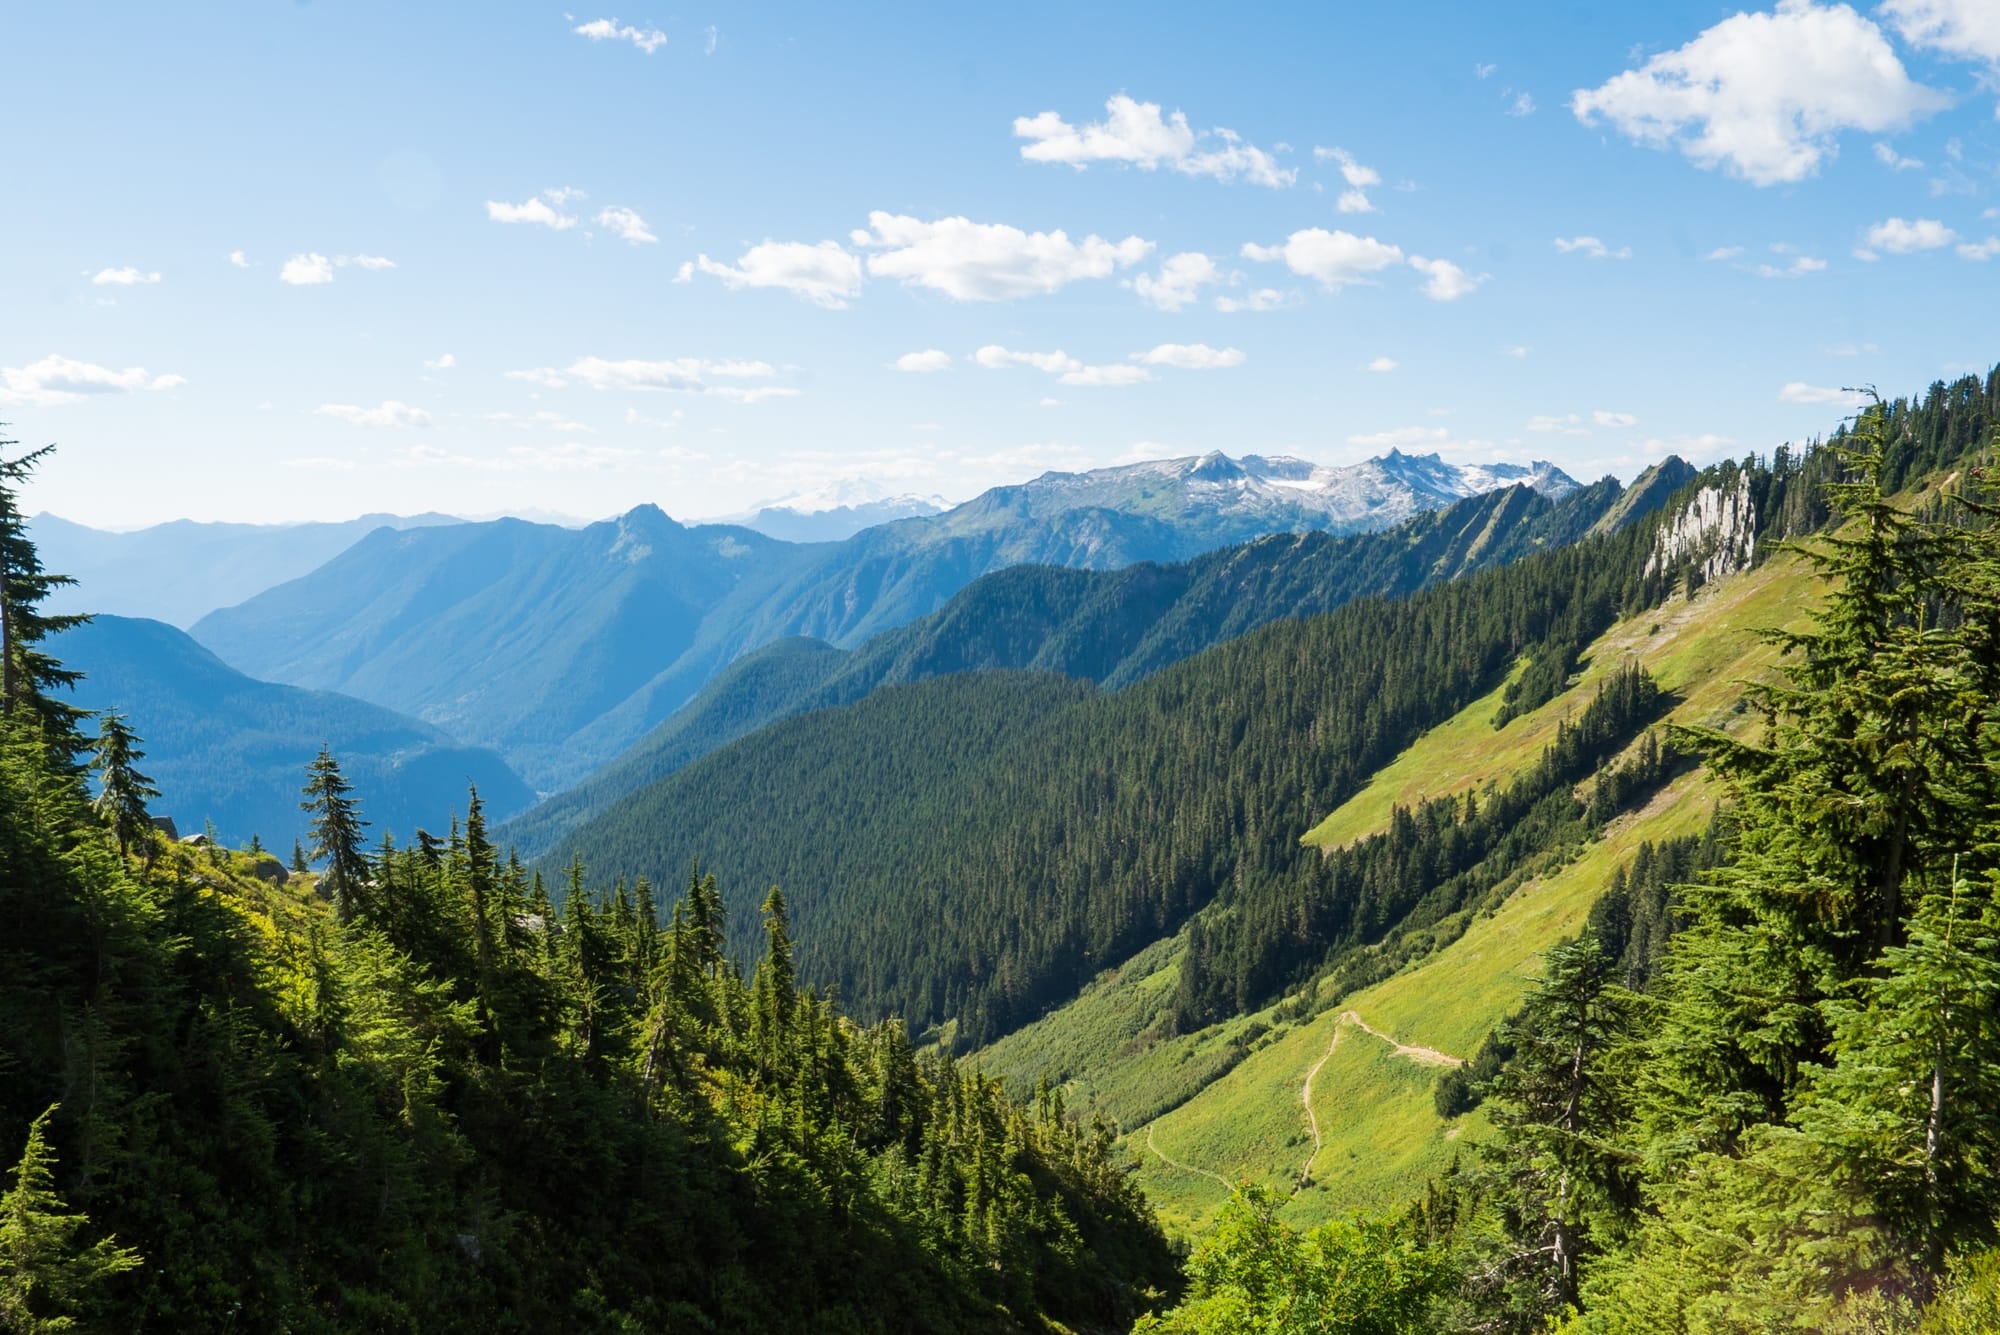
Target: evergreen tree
{"x": 121, "y": 803}
{"x": 48, "y": 1276}
{"x": 336, "y": 833}
{"x": 28, "y": 673}
{"x": 299, "y": 863}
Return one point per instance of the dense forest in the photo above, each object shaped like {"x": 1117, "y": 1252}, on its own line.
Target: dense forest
{"x": 403, "y": 1092}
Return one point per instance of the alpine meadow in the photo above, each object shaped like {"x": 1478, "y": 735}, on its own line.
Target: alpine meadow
{"x": 1303, "y": 671}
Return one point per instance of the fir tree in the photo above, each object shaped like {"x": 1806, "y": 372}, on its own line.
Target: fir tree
{"x": 336, "y": 833}
{"x": 121, "y": 803}
{"x": 48, "y": 1276}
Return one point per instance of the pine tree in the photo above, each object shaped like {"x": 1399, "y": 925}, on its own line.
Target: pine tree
{"x": 48, "y": 1278}
{"x": 29, "y": 675}
{"x": 336, "y": 833}
{"x": 121, "y": 803}
{"x": 1906, "y": 1111}
{"x": 1556, "y": 1106}
{"x": 774, "y": 988}
{"x": 299, "y": 863}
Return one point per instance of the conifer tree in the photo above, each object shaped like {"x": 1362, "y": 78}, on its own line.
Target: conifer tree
{"x": 336, "y": 833}
{"x": 121, "y": 803}
{"x": 774, "y": 986}
{"x": 47, "y": 1276}
{"x": 28, "y": 673}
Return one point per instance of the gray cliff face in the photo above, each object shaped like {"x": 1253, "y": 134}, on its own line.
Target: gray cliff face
{"x": 1717, "y": 528}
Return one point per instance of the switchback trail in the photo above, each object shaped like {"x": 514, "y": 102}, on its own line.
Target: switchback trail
{"x": 1172, "y": 1162}
{"x": 1408, "y": 1051}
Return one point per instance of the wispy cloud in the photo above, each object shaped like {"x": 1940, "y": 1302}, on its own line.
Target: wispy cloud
{"x": 648, "y": 40}
{"x": 1137, "y": 134}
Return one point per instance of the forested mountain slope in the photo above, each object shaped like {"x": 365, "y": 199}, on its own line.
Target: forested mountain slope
{"x": 227, "y": 749}
{"x": 987, "y": 894}
{"x": 1111, "y": 627}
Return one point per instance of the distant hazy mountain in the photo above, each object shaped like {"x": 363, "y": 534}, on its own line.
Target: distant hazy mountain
{"x": 180, "y": 571}
{"x": 507, "y": 634}
{"x": 559, "y": 648}
{"x": 225, "y": 748}
{"x": 1112, "y": 627}
{"x": 836, "y": 511}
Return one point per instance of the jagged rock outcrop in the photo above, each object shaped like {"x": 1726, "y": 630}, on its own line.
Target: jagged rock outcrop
{"x": 1714, "y": 535}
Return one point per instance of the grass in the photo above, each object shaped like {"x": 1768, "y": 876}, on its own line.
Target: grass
{"x": 1226, "y": 1101}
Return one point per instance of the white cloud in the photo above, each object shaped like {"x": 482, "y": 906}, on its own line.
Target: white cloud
{"x": 1484, "y": 71}
{"x": 973, "y": 261}
{"x": 1429, "y": 438}
{"x": 239, "y": 259}
{"x": 1602, "y": 418}
{"x": 1895, "y": 161}
{"x": 1145, "y": 451}
{"x": 1136, "y": 133}
{"x": 1969, "y": 29}
{"x": 648, "y": 40}
{"x": 1764, "y": 96}
{"x": 824, "y": 274}
{"x": 1191, "y": 356}
{"x": 1592, "y": 247}
{"x": 1179, "y": 282}
{"x": 1359, "y": 179}
{"x": 539, "y": 211}
{"x": 389, "y": 414}
{"x": 1523, "y": 104}
{"x": 1797, "y": 391}
{"x": 996, "y": 358}
{"x": 306, "y": 270}
{"x": 752, "y": 394}
{"x": 1900, "y": 237}
{"x": 1258, "y": 299}
{"x": 1335, "y": 259}
{"x": 371, "y": 262}
{"x": 1382, "y": 364}
{"x": 1050, "y": 403}
{"x": 443, "y": 363}
{"x": 1568, "y": 424}
{"x": 626, "y": 224}
{"x": 1724, "y": 253}
{"x": 56, "y": 379}
{"x": 711, "y": 39}
{"x": 125, "y": 277}
{"x": 930, "y": 359}
{"x": 1099, "y": 377}
{"x": 1980, "y": 250}
{"x": 1798, "y": 268}
{"x": 1067, "y": 369}
{"x": 689, "y": 375}
{"x": 1517, "y": 350}
{"x": 1447, "y": 282}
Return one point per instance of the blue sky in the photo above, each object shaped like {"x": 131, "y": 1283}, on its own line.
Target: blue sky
{"x": 677, "y": 255}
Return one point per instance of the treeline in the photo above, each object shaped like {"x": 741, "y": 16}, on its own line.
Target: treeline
{"x": 1445, "y": 855}
{"x": 406, "y": 1092}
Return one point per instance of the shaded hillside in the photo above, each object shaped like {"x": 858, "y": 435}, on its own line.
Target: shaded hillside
{"x": 508, "y": 634}
{"x": 225, "y": 748}
{"x": 180, "y": 571}
{"x": 1111, "y": 627}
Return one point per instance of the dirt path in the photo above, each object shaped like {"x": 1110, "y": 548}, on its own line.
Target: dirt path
{"x": 1408, "y": 1051}
{"x": 1306, "y": 1097}
{"x": 1172, "y": 1162}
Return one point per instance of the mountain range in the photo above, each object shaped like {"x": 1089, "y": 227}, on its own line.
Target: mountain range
{"x": 226, "y": 749}
{"x": 1112, "y": 627}
{"x": 606, "y": 630}
{"x": 178, "y": 572}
